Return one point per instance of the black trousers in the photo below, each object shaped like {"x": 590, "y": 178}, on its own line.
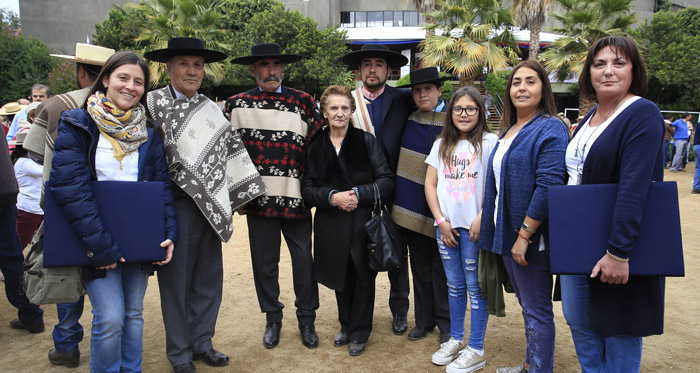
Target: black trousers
{"x": 356, "y": 305}
{"x": 191, "y": 286}
{"x": 429, "y": 282}
{"x": 399, "y": 288}
{"x": 265, "y": 242}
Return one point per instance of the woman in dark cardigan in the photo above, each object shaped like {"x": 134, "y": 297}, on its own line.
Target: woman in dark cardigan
{"x": 619, "y": 141}
{"x": 341, "y": 166}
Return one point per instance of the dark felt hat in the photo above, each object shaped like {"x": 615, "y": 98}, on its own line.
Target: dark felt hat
{"x": 184, "y": 46}
{"x": 393, "y": 59}
{"x": 265, "y": 51}
{"x": 425, "y": 75}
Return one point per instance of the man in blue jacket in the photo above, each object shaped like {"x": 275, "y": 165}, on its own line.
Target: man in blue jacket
{"x": 680, "y": 137}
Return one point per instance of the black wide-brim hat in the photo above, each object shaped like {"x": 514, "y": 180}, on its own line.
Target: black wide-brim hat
{"x": 425, "y": 75}
{"x": 184, "y": 46}
{"x": 393, "y": 59}
{"x": 266, "y": 51}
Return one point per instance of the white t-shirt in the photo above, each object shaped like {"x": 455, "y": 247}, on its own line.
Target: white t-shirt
{"x": 580, "y": 145}
{"x": 29, "y": 174}
{"x": 107, "y": 166}
{"x": 503, "y": 146}
{"x": 460, "y": 186}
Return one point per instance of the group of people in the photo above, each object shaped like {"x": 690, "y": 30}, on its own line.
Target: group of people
{"x": 471, "y": 204}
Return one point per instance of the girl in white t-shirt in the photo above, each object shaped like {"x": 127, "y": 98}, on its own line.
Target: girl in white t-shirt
{"x": 454, "y": 189}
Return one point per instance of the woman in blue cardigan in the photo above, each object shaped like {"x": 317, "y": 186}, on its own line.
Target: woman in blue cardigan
{"x": 111, "y": 138}
{"x": 619, "y": 141}
{"x": 527, "y": 160}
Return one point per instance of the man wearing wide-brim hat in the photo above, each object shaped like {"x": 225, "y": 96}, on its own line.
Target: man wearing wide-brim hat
{"x": 213, "y": 176}
{"x": 89, "y": 60}
{"x": 411, "y": 211}
{"x": 276, "y": 123}
{"x": 383, "y": 110}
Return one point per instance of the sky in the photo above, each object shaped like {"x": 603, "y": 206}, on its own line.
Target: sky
{"x": 13, "y": 5}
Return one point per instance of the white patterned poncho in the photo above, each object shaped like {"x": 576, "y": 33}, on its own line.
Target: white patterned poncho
{"x": 206, "y": 157}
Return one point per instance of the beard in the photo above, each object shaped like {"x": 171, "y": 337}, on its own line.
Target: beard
{"x": 374, "y": 85}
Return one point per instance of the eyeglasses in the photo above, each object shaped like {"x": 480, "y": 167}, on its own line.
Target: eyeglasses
{"x": 470, "y": 110}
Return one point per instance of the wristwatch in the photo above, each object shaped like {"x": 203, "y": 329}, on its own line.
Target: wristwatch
{"x": 526, "y": 228}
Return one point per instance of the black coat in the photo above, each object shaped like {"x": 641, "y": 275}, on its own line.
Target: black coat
{"x": 338, "y": 235}
{"x": 397, "y": 106}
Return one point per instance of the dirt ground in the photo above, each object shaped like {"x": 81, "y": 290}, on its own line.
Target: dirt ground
{"x": 240, "y": 325}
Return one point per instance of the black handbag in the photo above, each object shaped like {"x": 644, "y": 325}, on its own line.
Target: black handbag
{"x": 386, "y": 244}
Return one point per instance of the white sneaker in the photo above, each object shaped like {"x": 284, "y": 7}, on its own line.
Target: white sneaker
{"x": 448, "y": 351}
{"x": 469, "y": 361}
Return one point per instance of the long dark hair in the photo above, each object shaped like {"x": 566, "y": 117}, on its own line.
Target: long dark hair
{"x": 119, "y": 59}
{"x": 450, "y": 135}
{"x": 18, "y": 153}
{"x": 546, "y": 107}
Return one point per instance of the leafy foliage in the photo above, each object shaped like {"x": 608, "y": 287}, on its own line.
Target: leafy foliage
{"x": 121, "y": 29}
{"x": 496, "y": 82}
{"x": 447, "y": 90}
{"x": 671, "y": 45}
{"x": 23, "y": 63}
{"x": 467, "y": 40}
{"x": 295, "y": 33}
{"x": 62, "y": 78}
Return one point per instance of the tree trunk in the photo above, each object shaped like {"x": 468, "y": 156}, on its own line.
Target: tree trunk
{"x": 465, "y": 80}
{"x": 534, "y": 40}
{"x": 429, "y": 20}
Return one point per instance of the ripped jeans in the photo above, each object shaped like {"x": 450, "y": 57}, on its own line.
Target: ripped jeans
{"x": 461, "y": 268}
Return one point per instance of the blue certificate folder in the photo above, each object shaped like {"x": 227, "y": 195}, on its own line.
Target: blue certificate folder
{"x": 580, "y": 218}
{"x": 132, "y": 212}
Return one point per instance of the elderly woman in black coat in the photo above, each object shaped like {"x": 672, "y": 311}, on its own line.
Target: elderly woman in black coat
{"x": 341, "y": 166}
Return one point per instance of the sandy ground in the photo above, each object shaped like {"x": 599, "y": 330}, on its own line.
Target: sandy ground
{"x": 241, "y": 325}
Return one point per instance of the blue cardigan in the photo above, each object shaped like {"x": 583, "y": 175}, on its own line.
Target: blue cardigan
{"x": 533, "y": 163}
{"x": 72, "y": 170}
{"x": 629, "y": 152}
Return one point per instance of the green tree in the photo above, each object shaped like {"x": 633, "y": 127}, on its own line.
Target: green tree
{"x": 62, "y": 78}
{"x": 447, "y": 90}
{"x": 121, "y": 29}
{"x": 295, "y": 33}
{"x": 583, "y": 22}
{"x": 671, "y": 46}
{"x": 468, "y": 41}
{"x": 23, "y": 63}
{"x": 166, "y": 19}
{"x": 10, "y": 20}
{"x": 530, "y": 14}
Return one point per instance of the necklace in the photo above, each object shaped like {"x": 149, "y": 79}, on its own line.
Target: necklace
{"x": 583, "y": 150}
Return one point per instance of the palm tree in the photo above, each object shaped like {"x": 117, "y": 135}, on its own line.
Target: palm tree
{"x": 467, "y": 39}
{"x": 583, "y": 22}
{"x": 425, "y": 7}
{"x": 530, "y": 14}
{"x": 167, "y": 19}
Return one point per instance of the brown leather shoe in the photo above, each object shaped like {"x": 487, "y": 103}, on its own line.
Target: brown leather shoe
{"x": 33, "y": 328}
{"x": 70, "y": 360}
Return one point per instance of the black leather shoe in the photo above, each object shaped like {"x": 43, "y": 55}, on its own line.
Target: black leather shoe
{"x": 309, "y": 338}
{"x": 272, "y": 334}
{"x": 356, "y": 348}
{"x": 185, "y": 368}
{"x": 70, "y": 360}
{"x": 418, "y": 332}
{"x": 212, "y": 358}
{"x": 400, "y": 324}
{"x": 341, "y": 339}
{"x": 444, "y": 337}
{"x": 33, "y": 328}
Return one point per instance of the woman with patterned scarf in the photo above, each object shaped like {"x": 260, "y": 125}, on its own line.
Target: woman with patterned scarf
{"x": 111, "y": 138}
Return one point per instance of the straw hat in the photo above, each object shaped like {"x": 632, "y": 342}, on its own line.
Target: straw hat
{"x": 89, "y": 54}
{"x": 11, "y": 108}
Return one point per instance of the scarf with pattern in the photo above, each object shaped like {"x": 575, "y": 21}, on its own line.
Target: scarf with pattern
{"x": 125, "y": 130}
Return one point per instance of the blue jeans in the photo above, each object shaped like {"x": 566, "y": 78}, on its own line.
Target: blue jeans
{"x": 533, "y": 287}
{"x": 461, "y": 265}
{"x": 666, "y": 145}
{"x": 696, "y": 179}
{"x": 116, "y": 343}
{"x": 68, "y": 333}
{"x": 617, "y": 354}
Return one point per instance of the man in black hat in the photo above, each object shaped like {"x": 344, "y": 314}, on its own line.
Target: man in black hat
{"x": 276, "y": 124}
{"x": 411, "y": 211}
{"x": 383, "y": 110}
{"x": 212, "y": 176}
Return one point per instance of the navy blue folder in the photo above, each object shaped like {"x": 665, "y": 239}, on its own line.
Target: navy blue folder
{"x": 134, "y": 217}
{"x": 580, "y": 218}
